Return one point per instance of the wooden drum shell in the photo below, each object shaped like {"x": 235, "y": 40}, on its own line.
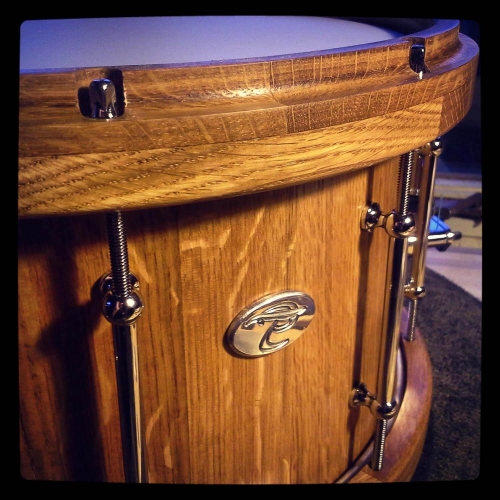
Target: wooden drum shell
{"x": 214, "y": 223}
{"x": 210, "y": 417}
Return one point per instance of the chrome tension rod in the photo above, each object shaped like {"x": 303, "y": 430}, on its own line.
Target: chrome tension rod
{"x": 404, "y": 227}
{"x": 121, "y": 306}
{"x": 399, "y": 224}
{"x": 415, "y": 289}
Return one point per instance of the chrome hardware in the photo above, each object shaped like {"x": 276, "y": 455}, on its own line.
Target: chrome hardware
{"x": 122, "y": 311}
{"x": 106, "y": 283}
{"x": 439, "y": 240}
{"x": 400, "y": 225}
{"x": 417, "y": 60}
{"x": 270, "y": 324}
{"x": 399, "y": 390}
{"x": 379, "y": 445}
{"x": 415, "y": 289}
{"x": 102, "y": 99}
{"x": 370, "y": 217}
{"x": 382, "y": 412}
{"x": 122, "y": 305}
{"x": 395, "y": 225}
{"x": 387, "y": 411}
{"x": 363, "y": 397}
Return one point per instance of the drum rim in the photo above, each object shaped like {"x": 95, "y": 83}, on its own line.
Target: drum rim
{"x": 264, "y": 104}
{"x": 424, "y": 28}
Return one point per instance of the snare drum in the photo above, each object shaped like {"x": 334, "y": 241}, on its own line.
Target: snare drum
{"x": 242, "y": 170}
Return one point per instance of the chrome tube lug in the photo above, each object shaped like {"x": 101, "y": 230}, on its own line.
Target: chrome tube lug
{"x": 396, "y": 225}
{"x": 361, "y": 396}
{"x": 427, "y": 156}
{"x": 400, "y": 224}
{"x": 121, "y": 306}
{"x": 413, "y": 293}
{"x": 106, "y": 283}
{"x": 387, "y": 410}
{"x": 370, "y": 217}
{"x": 122, "y": 311}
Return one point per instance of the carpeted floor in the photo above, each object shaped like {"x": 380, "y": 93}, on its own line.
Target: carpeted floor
{"x": 450, "y": 320}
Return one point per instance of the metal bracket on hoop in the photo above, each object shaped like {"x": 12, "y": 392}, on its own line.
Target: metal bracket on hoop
{"x": 102, "y": 97}
{"x": 417, "y": 59}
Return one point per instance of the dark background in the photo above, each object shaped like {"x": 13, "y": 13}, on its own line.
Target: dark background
{"x": 462, "y": 146}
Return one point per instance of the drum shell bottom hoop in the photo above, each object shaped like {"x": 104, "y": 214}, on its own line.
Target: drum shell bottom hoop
{"x": 210, "y": 417}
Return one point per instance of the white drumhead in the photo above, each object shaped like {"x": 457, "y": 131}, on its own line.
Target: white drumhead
{"x": 79, "y": 43}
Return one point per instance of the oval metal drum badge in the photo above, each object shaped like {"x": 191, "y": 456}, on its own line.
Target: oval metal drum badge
{"x": 271, "y": 323}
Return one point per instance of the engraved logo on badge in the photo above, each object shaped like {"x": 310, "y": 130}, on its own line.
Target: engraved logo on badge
{"x": 271, "y": 323}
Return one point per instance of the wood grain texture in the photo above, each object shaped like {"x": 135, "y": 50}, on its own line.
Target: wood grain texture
{"x": 250, "y": 178}
{"x": 363, "y": 477}
{"x": 198, "y": 132}
{"x": 212, "y": 171}
{"x": 210, "y": 417}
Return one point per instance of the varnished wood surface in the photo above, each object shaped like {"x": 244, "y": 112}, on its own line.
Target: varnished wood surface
{"x": 363, "y": 477}
{"x": 210, "y": 417}
{"x": 313, "y": 139}
{"x": 192, "y": 133}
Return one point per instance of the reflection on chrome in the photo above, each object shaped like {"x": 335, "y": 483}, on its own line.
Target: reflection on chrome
{"x": 270, "y": 324}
